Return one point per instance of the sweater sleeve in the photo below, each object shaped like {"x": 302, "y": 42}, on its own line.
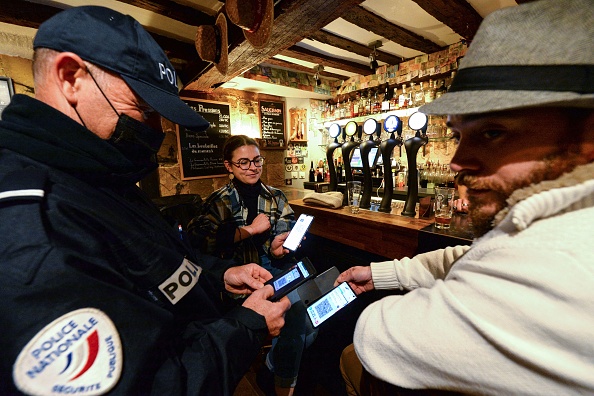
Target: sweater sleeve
{"x": 420, "y": 271}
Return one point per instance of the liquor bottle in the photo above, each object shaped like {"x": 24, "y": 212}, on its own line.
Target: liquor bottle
{"x": 441, "y": 90}
{"x": 451, "y": 79}
{"x": 403, "y": 98}
{"x": 423, "y": 177}
{"x": 419, "y": 96}
{"x": 367, "y": 103}
{"x": 349, "y": 112}
{"x": 356, "y": 105}
{"x": 394, "y": 100}
{"x": 411, "y": 93}
{"x": 376, "y": 104}
{"x": 386, "y": 99}
{"x": 430, "y": 92}
{"x": 339, "y": 170}
{"x": 312, "y": 173}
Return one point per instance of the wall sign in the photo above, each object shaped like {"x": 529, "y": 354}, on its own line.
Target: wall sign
{"x": 272, "y": 124}
{"x": 201, "y": 153}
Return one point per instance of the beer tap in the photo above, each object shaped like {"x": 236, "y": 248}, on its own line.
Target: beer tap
{"x": 370, "y": 127}
{"x": 350, "y": 130}
{"x": 417, "y": 122}
{"x": 334, "y": 131}
{"x": 391, "y": 124}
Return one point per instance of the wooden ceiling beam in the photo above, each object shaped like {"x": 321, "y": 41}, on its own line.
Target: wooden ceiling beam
{"x": 173, "y": 10}
{"x": 457, "y": 14}
{"x": 377, "y": 24}
{"x": 304, "y": 69}
{"x": 182, "y": 55}
{"x": 308, "y": 55}
{"x": 352, "y": 46}
{"x": 298, "y": 19}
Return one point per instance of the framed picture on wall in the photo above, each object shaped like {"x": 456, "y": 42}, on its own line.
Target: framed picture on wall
{"x": 6, "y": 92}
{"x": 298, "y": 129}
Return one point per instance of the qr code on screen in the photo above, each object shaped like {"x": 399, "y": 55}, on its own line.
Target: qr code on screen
{"x": 324, "y": 309}
{"x": 281, "y": 282}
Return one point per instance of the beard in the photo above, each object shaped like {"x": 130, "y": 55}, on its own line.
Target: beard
{"x": 483, "y": 209}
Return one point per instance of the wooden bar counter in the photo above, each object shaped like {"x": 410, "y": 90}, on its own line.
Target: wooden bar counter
{"x": 385, "y": 234}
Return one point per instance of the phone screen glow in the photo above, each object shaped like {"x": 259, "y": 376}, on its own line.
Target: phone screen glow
{"x": 331, "y": 303}
{"x": 296, "y": 235}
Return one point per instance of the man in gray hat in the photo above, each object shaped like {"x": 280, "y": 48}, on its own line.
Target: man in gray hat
{"x": 99, "y": 293}
{"x": 514, "y": 313}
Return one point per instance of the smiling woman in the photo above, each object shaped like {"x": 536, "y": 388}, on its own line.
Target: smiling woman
{"x": 248, "y": 221}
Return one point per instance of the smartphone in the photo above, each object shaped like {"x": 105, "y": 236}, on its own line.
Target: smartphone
{"x": 298, "y": 232}
{"x": 330, "y": 303}
{"x": 291, "y": 278}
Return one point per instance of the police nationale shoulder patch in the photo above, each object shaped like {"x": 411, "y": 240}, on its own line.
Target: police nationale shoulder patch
{"x": 78, "y": 353}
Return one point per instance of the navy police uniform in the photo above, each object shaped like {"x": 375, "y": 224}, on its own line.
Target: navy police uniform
{"x": 98, "y": 293}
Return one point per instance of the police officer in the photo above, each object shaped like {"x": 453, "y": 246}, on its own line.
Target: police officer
{"x": 99, "y": 294}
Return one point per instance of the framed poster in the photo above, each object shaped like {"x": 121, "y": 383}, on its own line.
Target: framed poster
{"x": 6, "y": 92}
{"x": 272, "y": 124}
{"x": 201, "y": 153}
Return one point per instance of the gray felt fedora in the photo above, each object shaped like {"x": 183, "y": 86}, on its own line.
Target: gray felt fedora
{"x": 534, "y": 55}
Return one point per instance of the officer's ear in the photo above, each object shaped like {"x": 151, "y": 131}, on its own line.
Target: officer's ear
{"x": 70, "y": 74}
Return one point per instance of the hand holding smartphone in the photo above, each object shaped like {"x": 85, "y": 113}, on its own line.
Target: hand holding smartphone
{"x": 330, "y": 303}
{"x": 291, "y": 278}
{"x": 298, "y": 232}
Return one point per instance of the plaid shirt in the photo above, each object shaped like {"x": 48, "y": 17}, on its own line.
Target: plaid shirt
{"x": 222, "y": 213}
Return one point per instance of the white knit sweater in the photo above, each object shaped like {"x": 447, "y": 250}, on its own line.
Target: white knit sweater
{"x": 514, "y": 315}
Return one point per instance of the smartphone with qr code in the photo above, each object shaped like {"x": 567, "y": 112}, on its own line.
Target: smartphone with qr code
{"x": 291, "y": 278}
{"x": 330, "y": 303}
{"x": 298, "y": 232}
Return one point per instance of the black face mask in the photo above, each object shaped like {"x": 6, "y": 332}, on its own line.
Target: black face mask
{"x": 137, "y": 141}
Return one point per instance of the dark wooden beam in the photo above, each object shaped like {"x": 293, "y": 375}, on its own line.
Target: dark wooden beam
{"x": 23, "y": 13}
{"x": 297, "y": 20}
{"x": 377, "y": 24}
{"x": 293, "y": 66}
{"x": 182, "y": 54}
{"x": 457, "y": 14}
{"x": 352, "y": 46}
{"x": 173, "y": 10}
{"x": 308, "y": 55}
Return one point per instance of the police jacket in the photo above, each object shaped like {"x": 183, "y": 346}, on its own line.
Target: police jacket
{"x": 99, "y": 295}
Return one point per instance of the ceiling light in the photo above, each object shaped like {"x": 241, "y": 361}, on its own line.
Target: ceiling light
{"x": 373, "y": 55}
{"x": 318, "y": 69}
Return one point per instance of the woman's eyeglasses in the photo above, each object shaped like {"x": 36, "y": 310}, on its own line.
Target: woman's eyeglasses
{"x": 244, "y": 163}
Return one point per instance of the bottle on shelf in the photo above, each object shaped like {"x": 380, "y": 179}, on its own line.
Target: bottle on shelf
{"x": 419, "y": 94}
{"x": 320, "y": 172}
{"x": 368, "y": 99}
{"x": 403, "y": 98}
{"x": 430, "y": 92}
{"x": 312, "y": 173}
{"x": 451, "y": 79}
{"x": 376, "y": 104}
{"x": 411, "y": 93}
{"x": 386, "y": 100}
{"x": 349, "y": 111}
{"x": 339, "y": 170}
{"x": 441, "y": 90}
{"x": 423, "y": 177}
{"x": 394, "y": 100}
{"x": 356, "y": 105}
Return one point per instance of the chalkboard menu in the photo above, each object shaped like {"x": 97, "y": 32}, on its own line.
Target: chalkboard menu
{"x": 272, "y": 124}
{"x": 201, "y": 153}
